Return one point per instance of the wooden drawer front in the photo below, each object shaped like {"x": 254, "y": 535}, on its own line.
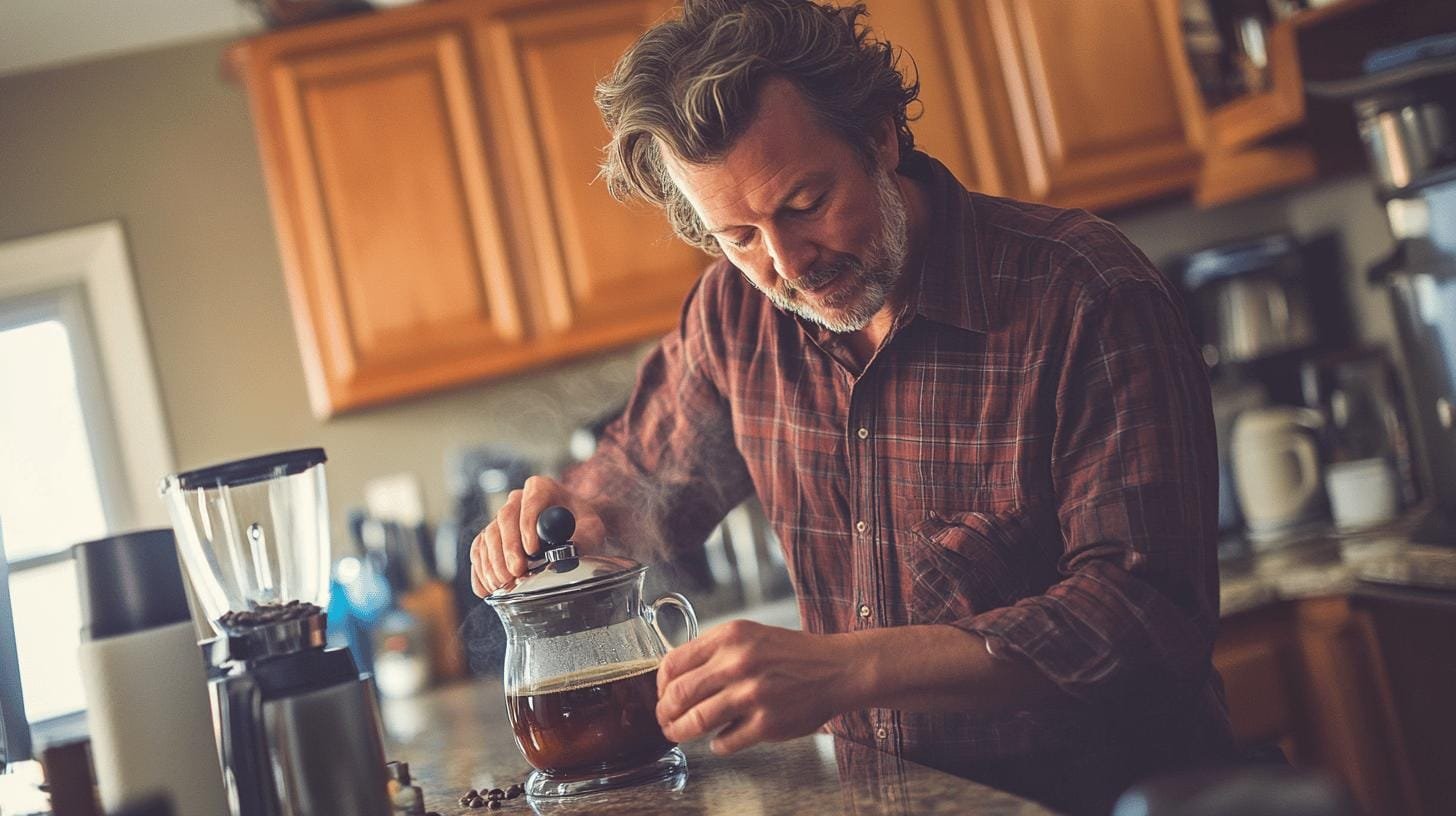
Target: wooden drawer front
{"x": 1256, "y": 680}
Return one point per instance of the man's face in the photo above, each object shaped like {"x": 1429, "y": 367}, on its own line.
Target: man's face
{"x": 793, "y": 206}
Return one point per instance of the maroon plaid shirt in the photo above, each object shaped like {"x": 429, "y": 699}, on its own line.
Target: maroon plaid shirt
{"x": 1029, "y": 457}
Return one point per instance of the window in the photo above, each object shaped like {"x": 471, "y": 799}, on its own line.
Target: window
{"x": 73, "y": 370}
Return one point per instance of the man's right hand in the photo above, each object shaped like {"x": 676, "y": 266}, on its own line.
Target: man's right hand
{"x": 498, "y": 553}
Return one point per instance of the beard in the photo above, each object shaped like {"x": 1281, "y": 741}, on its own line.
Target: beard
{"x": 863, "y": 285}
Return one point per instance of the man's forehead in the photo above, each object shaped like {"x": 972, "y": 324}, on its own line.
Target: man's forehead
{"x": 782, "y": 147}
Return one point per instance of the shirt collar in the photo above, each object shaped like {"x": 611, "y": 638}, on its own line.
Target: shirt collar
{"x": 952, "y": 288}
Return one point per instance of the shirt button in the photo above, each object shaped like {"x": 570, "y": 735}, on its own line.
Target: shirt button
{"x": 861, "y": 526}
{"x": 881, "y": 733}
{"x": 864, "y": 433}
{"x": 864, "y": 610}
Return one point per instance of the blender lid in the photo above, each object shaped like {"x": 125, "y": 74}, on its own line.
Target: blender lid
{"x": 248, "y": 471}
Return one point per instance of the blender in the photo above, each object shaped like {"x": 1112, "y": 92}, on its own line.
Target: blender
{"x": 297, "y": 726}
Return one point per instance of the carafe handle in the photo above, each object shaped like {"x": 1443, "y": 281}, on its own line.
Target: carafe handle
{"x": 672, "y": 599}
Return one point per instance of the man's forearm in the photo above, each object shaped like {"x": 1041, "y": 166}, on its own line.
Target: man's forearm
{"x": 938, "y": 668}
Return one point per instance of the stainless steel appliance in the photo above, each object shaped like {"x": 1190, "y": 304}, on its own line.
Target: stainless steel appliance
{"x": 1417, "y": 172}
{"x": 1251, "y": 299}
{"x": 297, "y": 727}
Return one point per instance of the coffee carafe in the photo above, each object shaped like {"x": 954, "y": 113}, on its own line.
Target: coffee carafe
{"x": 297, "y": 726}
{"x": 581, "y": 659}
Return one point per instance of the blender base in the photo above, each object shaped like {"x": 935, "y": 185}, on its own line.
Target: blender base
{"x": 671, "y": 767}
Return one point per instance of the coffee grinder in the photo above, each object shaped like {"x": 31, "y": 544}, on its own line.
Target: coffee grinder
{"x": 297, "y": 726}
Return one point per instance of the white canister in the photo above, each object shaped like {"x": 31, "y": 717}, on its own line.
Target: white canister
{"x": 145, "y": 678}
{"x": 1363, "y": 493}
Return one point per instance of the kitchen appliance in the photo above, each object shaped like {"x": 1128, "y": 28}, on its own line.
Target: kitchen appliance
{"x": 1408, "y": 94}
{"x": 1277, "y": 472}
{"x": 1231, "y": 397}
{"x": 1251, "y": 299}
{"x": 581, "y": 660}
{"x": 297, "y": 728}
{"x": 145, "y": 680}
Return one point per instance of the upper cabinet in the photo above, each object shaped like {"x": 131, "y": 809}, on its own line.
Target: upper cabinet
{"x": 601, "y": 272}
{"x": 1089, "y": 91}
{"x": 431, "y": 172}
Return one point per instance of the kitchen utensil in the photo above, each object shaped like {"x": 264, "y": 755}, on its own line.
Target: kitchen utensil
{"x": 297, "y": 727}
{"x": 1277, "y": 470}
{"x": 1230, "y": 398}
{"x": 581, "y": 660}
{"x": 144, "y": 677}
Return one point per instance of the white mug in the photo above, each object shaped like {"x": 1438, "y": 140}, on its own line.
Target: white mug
{"x": 1362, "y": 493}
{"x": 1276, "y": 468}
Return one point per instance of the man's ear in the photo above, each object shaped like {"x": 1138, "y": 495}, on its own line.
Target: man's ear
{"x": 887, "y": 144}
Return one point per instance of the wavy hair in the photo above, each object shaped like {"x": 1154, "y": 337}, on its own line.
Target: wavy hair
{"x": 692, "y": 84}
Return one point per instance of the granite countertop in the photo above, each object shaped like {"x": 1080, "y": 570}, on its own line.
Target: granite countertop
{"x": 457, "y": 737}
{"x": 1381, "y": 563}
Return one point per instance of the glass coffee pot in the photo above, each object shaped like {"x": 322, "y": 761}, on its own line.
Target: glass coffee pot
{"x": 582, "y": 652}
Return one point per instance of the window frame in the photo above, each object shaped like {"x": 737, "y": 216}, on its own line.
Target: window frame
{"x": 82, "y": 277}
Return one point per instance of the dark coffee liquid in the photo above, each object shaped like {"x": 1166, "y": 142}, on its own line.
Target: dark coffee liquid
{"x": 589, "y": 722}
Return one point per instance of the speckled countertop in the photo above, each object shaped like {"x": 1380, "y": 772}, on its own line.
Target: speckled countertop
{"x": 457, "y": 737}
{"x": 1382, "y": 562}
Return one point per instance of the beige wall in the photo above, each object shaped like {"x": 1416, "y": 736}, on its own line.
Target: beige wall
{"x": 160, "y": 141}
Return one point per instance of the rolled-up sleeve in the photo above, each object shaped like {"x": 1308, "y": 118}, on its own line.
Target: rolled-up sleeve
{"x": 1135, "y": 472}
{"x": 667, "y": 470}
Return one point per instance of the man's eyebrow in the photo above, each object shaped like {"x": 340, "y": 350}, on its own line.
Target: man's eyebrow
{"x": 808, "y": 181}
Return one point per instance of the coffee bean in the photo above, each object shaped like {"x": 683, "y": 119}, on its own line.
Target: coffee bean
{"x": 514, "y": 791}
{"x": 477, "y": 802}
{"x": 495, "y": 793}
{"x": 495, "y": 804}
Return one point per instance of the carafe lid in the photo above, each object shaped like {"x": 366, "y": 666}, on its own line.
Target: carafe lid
{"x": 560, "y": 568}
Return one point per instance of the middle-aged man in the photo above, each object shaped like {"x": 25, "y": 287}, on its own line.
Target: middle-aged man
{"x": 981, "y": 429}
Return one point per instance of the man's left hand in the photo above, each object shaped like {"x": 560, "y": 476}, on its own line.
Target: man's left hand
{"x": 756, "y": 683}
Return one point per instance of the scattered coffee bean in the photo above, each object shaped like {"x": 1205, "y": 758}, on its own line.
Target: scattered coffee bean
{"x": 477, "y": 802}
{"x": 514, "y": 791}
{"x": 495, "y": 793}
{"x": 495, "y": 804}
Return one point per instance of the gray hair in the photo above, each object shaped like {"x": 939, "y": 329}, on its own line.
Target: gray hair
{"x": 692, "y": 84}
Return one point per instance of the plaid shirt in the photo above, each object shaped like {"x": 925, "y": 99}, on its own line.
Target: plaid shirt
{"x": 1029, "y": 456}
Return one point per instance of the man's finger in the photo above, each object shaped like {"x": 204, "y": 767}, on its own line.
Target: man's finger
{"x": 497, "y": 570}
{"x": 682, "y": 659}
{"x": 477, "y": 564}
{"x": 738, "y": 735}
{"x": 704, "y": 718}
{"x": 688, "y": 690}
{"x": 540, "y": 493}
{"x": 508, "y": 522}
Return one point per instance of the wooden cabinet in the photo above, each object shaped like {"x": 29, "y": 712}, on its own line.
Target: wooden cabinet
{"x": 602, "y": 273}
{"x": 1096, "y": 117}
{"x": 1314, "y": 677}
{"x": 430, "y": 172}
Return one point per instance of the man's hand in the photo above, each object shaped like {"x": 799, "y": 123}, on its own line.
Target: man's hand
{"x": 754, "y": 682}
{"x": 498, "y": 553}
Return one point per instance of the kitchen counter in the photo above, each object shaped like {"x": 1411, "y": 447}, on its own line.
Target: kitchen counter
{"x": 457, "y": 737}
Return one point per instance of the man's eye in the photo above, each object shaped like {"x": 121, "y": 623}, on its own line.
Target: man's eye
{"x": 811, "y": 206}
{"x": 740, "y": 243}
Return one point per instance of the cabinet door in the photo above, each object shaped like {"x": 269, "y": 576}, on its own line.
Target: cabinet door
{"x": 605, "y": 272}
{"x": 397, "y": 263}
{"x": 935, "y": 41}
{"x": 1091, "y": 95}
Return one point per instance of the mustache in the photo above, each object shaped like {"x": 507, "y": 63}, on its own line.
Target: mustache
{"x": 817, "y": 278}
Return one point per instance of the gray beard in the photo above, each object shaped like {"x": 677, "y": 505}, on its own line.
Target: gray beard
{"x": 871, "y": 280}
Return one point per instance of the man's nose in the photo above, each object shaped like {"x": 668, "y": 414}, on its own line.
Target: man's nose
{"x": 793, "y": 256}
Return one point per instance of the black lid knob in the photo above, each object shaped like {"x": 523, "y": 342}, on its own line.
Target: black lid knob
{"x": 555, "y": 526}
{"x": 129, "y": 583}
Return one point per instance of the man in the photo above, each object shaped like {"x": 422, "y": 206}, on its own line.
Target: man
{"x": 981, "y": 429}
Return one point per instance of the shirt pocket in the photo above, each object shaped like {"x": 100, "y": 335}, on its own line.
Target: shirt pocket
{"x": 963, "y": 564}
